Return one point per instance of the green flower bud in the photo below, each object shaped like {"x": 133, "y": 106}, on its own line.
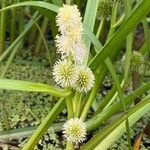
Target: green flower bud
{"x": 137, "y": 63}
{"x": 104, "y": 9}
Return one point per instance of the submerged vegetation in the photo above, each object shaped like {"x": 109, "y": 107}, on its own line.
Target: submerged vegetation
{"x": 74, "y": 74}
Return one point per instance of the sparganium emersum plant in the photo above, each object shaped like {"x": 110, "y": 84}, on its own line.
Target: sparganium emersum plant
{"x": 72, "y": 71}
{"x": 88, "y": 51}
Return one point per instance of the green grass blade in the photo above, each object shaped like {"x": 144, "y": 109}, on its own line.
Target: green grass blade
{"x": 10, "y": 58}
{"x": 2, "y": 27}
{"x": 26, "y": 131}
{"x": 89, "y": 19}
{"x": 120, "y": 94}
{"x": 32, "y": 142}
{"x": 142, "y": 9}
{"x": 104, "y": 138}
{"x": 90, "y": 35}
{"x": 20, "y": 85}
{"x": 41, "y": 6}
{"x": 20, "y": 37}
{"x": 97, "y": 120}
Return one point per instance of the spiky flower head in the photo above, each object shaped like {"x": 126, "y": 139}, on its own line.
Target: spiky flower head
{"x": 104, "y": 9}
{"x": 74, "y": 130}
{"x": 137, "y": 63}
{"x": 64, "y": 73}
{"x": 68, "y": 18}
{"x": 85, "y": 79}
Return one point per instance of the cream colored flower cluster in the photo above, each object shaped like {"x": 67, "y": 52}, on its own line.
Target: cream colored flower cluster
{"x": 74, "y": 130}
{"x": 69, "y": 42}
{"x": 70, "y": 71}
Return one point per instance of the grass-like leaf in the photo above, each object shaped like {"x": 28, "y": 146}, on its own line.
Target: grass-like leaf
{"x": 43, "y": 127}
{"x": 98, "y": 119}
{"x": 104, "y": 138}
{"x": 138, "y": 14}
{"x": 20, "y": 85}
{"x": 40, "y": 5}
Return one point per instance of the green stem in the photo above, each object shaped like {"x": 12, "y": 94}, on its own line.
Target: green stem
{"x": 119, "y": 22}
{"x": 21, "y": 20}
{"x": 69, "y": 104}
{"x": 99, "y": 30}
{"x": 5, "y": 114}
{"x": 13, "y": 53}
{"x": 147, "y": 38}
{"x": 13, "y": 24}
{"x": 100, "y": 27}
{"x": 69, "y": 2}
{"x": 69, "y": 146}
{"x": 116, "y": 128}
{"x": 114, "y": 97}
{"x": 39, "y": 40}
{"x": 99, "y": 76}
{"x": 2, "y": 28}
{"x": 113, "y": 20}
{"x": 129, "y": 41}
{"x": 106, "y": 100}
{"x": 77, "y": 104}
{"x": 41, "y": 37}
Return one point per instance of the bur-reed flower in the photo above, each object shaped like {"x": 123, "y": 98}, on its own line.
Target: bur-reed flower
{"x": 68, "y": 18}
{"x": 104, "y": 9}
{"x": 68, "y": 42}
{"x": 137, "y": 63}
{"x": 64, "y": 73}
{"x": 74, "y": 130}
{"x": 85, "y": 79}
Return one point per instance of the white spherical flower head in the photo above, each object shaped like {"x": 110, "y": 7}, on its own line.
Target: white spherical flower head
{"x": 85, "y": 79}
{"x": 68, "y": 17}
{"x": 64, "y": 73}
{"x": 74, "y": 130}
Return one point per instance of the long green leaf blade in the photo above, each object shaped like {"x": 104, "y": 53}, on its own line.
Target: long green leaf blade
{"x": 141, "y": 11}
{"x": 37, "y": 4}
{"x": 8, "y": 84}
{"x": 103, "y": 139}
{"x": 90, "y": 17}
{"x": 97, "y": 120}
{"x": 32, "y": 142}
